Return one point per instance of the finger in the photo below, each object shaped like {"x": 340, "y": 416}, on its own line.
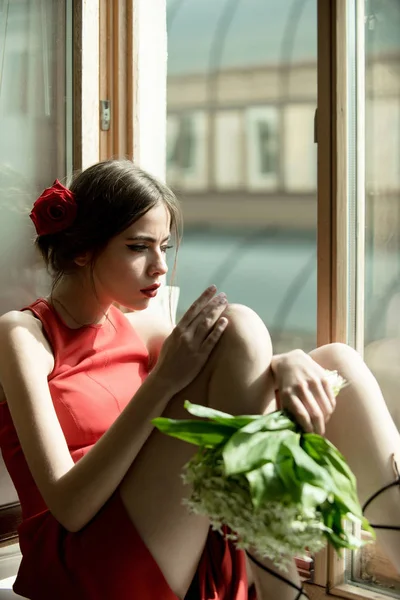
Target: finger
{"x": 197, "y": 307}
{"x": 323, "y": 400}
{"x": 205, "y": 321}
{"x": 296, "y": 408}
{"x": 215, "y": 335}
{"x": 314, "y": 410}
{"x": 329, "y": 392}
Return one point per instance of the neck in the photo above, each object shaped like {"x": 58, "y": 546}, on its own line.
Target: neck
{"x": 77, "y": 303}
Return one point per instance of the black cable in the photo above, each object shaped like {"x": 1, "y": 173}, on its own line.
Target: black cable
{"x": 378, "y": 493}
{"x": 278, "y": 576}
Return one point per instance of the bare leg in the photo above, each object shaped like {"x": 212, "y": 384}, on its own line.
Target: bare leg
{"x": 236, "y": 379}
{"x": 363, "y": 430}
{"x": 269, "y": 585}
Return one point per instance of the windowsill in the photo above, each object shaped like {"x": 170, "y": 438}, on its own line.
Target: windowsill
{"x": 10, "y": 557}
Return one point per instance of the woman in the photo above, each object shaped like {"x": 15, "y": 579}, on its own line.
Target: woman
{"x": 100, "y": 489}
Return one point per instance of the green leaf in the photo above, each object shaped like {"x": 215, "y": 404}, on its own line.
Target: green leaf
{"x": 276, "y": 421}
{"x": 266, "y": 485}
{"x": 286, "y": 472}
{"x": 308, "y": 471}
{"x": 334, "y": 463}
{"x": 345, "y": 494}
{"x": 313, "y": 496}
{"x": 322, "y": 449}
{"x": 200, "y": 433}
{"x": 204, "y": 412}
{"x": 248, "y": 451}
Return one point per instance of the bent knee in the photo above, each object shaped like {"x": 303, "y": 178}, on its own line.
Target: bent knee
{"x": 245, "y": 329}
{"x": 335, "y": 355}
{"x": 242, "y": 317}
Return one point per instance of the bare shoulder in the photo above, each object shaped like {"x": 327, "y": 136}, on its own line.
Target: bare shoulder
{"x": 22, "y": 333}
{"x": 25, "y": 363}
{"x": 152, "y": 328}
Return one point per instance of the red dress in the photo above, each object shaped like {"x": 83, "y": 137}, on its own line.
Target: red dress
{"x": 97, "y": 370}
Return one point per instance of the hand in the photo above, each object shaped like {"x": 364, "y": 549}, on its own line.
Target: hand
{"x": 303, "y": 390}
{"x": 187, "y": 349}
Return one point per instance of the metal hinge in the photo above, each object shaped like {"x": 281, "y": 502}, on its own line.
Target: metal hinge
{"x": 105, "y": 114}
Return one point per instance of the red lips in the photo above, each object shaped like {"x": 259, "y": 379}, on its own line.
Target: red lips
{"x": 151, "y": 288}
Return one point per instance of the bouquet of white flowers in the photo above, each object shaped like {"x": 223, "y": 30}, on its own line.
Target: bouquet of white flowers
{"x": 279, "y": 490}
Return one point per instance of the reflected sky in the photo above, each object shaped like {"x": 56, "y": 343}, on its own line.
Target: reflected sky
{"x": 254, "y": 36}
{"x": 275, "y": 273}
{"x": 258, "y": 268}
{"x": 256, "y": 32}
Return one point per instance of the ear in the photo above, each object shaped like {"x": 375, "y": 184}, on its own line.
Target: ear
{"x": 83, "y": 259}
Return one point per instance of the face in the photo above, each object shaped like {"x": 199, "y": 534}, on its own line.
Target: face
{"x": 130, "y": 268}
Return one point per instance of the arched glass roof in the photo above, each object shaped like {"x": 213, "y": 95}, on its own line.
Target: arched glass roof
{"x": 260, "y": 32}
{"x": 253, "y": 32}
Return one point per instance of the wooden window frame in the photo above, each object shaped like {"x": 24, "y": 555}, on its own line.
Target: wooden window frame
{"x": 117, "y": 77}
{"x": 333, "y": 324}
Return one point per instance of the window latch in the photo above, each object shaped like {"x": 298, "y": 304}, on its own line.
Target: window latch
{"x": 316, "y": 126}
{"x": 105, "y": 115}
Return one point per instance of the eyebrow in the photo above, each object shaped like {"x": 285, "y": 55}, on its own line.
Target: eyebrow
{"x": 146, "y": 238}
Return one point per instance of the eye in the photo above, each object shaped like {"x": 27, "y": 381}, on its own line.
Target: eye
{"x": 165, "y": 248}
{"x": 137, "y": 247}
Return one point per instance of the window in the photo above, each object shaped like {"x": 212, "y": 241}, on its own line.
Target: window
{"x": 375, "y": 54}
{"x": 35, "y": 148}
{"x": 299, "y": 149}
{"x": 229, "y": 150}
{"x": 260, "y": 100}
{"x": 241, "y": 98}
{"x": 266, "y": 139}
{"x": 365, "y": 100}
{"x": 36, "y": 140}
{"x": 262, "y": 148}
{"x": 187, "y": 150}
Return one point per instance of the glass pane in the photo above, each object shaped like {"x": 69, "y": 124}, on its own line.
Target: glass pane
{"x": 382, "y": 145}
{"x": 379, "y": 57}
{"x": 35, "y": 101}
{"x": 35, "y": 144}
{"x": 242, "y": 93}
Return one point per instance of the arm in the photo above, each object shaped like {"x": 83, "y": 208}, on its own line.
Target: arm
{"x": 302, "y": 388}
{"x": 74, "y": 493}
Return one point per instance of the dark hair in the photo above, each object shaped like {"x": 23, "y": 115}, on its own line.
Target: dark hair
{"x": 111, "y": 195}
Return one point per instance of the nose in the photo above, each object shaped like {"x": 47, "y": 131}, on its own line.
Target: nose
{"x": 159, "y": 265}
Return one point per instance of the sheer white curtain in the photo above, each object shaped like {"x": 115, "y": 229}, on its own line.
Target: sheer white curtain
{"x": 34, "y": 101}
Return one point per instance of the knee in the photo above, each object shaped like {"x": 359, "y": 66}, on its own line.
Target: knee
{"x": 337, "y": 356}
{"x": 340, "y": 351}
{"x": 246, "y": 330}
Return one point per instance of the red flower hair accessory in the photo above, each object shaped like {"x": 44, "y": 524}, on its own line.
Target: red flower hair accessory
{"x": 54, "y": 210}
